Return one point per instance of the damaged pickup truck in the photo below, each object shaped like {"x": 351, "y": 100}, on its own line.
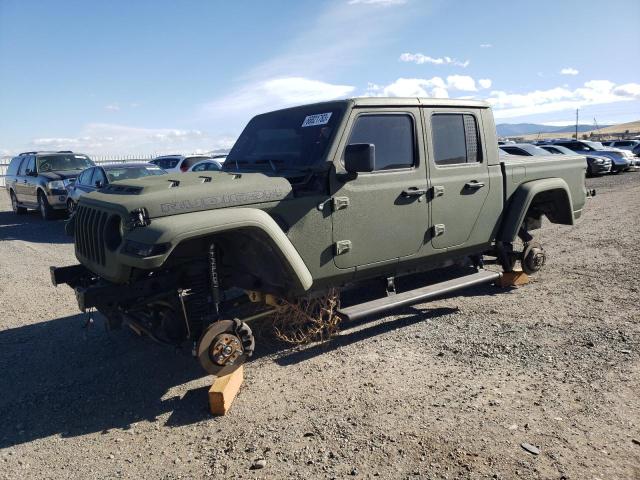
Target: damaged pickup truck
{"x": 314, "y": 199}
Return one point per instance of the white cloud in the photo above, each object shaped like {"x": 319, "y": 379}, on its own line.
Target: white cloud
{"x": 593, "y": 92}
{"x": 569, "y": 71}
{"x": 384, "y": 3}
{"x": 435, "y": 87}
{"x": 484, "y": 83}
{"x": 461, "y": 82}
{"x": 486, "y": 45}
{"x": 278, "y": 93}
{"x": 411, "y": 87}
{"x": 419, "y": 59}
{"x": 628, "y": 90}
{"x": 112, "y": 107}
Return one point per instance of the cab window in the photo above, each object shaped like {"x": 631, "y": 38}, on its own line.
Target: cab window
{"x": 455, "y": 139}
{"x": 392, "y": 135}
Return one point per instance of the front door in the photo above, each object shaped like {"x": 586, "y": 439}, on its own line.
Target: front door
{"x": 459, "y": 175}
{"x": 27, "y": 180}
{"x": 382, "y": 215}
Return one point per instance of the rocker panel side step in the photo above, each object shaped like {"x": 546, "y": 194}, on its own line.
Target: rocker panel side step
{"x": 410, "y": 297}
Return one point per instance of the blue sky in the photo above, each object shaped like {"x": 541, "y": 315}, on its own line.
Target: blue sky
{"x": 162, "y": 76}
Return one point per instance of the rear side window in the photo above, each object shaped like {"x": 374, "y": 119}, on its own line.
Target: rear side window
{"x": 191, "y": 161}
{"x": 166, "y": 163}
{"x": 392, "y": 136}
{"x": 29, "y": 165}
{"x": 455, "y": 139}
{"x": 13, "y": 166}
{"x": 515, "y": 151}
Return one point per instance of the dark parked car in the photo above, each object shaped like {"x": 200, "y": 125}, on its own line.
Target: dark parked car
{"x": 96, "y": 178}
{"x": 595, "y": 165}
{"x": 40, "y": 179}
{"x": 620, "y": 159}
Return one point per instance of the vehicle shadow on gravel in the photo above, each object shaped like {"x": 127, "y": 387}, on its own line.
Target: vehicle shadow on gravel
{"x": 60, "y": 379}
{"x": 31, "y": 228}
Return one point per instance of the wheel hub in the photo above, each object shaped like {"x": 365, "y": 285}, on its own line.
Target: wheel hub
{"x": 534, "y": 258}
{"x": 224, "y": 346}
{"x": 225, "y": 349}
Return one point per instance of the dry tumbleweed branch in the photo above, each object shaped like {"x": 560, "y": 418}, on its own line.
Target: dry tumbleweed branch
{"x": 308, "y": 319}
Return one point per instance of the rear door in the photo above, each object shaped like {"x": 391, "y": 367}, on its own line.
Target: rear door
{"x": 30, "y": 182}
{"x": 381, "y": 216}
{"x": 459, "y": 174}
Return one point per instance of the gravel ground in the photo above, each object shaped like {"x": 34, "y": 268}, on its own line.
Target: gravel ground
{"x": 448, "y": 389}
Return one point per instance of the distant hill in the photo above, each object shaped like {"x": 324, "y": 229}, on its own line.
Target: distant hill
{"x": 518, "y": 129}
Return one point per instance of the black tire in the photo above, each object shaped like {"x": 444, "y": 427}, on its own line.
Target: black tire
{"x": 46, "y": 212}
{"x": 18, "y": 210}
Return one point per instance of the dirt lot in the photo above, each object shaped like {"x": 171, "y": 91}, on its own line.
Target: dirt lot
{"x": 448, "y": 389}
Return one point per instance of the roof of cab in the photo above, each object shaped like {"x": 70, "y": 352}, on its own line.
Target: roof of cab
{"x": 415, "y": 101}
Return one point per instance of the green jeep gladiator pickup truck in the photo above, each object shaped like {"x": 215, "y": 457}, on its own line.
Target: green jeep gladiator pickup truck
{"x": 311, "y": 199}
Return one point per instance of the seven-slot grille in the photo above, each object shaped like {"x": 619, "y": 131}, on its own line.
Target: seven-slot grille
{"x": 89, "y": 233}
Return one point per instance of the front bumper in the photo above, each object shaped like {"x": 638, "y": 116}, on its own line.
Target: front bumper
{"x": 57, "y": 198}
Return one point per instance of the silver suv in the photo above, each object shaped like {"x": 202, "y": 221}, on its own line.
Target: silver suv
{"x": 40, "y": 179}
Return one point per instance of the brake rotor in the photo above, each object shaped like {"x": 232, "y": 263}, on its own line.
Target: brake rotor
{"x": 224, "y": 346}
{"x": 533, "y": 258}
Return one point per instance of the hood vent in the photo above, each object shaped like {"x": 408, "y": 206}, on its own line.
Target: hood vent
{"x": 121, "y": 189}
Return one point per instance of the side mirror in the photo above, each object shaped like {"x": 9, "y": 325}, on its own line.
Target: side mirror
{"x": 99, "y": 184}
{"x": 71, "y": 181}
{"x": 31, "y": 173}
{"x": 360, "y": 157}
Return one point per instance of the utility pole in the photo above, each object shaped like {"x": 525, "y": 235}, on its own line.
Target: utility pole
{"x": 576, "y": 124}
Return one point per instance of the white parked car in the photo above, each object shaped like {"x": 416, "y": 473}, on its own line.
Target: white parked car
{"x": 179, "y": 163}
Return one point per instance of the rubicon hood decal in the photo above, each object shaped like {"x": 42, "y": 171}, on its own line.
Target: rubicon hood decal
{"x": 165, "y": 195}
{"x": 223, "y": 200}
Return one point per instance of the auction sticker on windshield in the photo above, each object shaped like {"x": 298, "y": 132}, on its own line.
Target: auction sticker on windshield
{"x": 317, "y": 119}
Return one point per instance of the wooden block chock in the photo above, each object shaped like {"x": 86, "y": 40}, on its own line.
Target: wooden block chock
{"x": 513, "y": 279}
{"x": 223, "y": 391}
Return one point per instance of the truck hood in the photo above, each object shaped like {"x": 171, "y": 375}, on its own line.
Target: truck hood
{"x": 179, "y": 193}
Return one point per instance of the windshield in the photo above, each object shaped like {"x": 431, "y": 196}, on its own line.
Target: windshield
{"x": 129, "y": 173}
{"x": 292, "y": 139}
{"x": 50, "y": 163}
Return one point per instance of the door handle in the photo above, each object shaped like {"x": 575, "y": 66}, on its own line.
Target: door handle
{"x": 24, "y": 181}
{"x": 474, "y": 185}
{"x": 414, "y": 192}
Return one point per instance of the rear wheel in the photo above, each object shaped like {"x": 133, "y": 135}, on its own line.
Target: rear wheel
{"x": 17, "y": 209}
{"x": 46, "y": 212}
